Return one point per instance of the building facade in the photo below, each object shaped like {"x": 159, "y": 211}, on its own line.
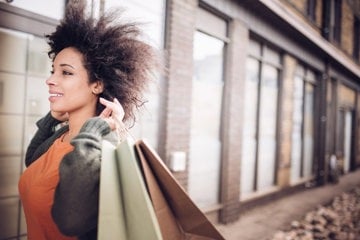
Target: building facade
{"x": 260, "y": 98}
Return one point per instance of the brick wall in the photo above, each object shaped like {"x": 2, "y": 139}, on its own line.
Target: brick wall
{"x": 232, "y": 120}
{"x": 347, "y": 29}
{"x": 179, "y": 40}
{"x": 299, "y": 7}
{"x": 286, "y": 109}
{"x": 319, "y": 14}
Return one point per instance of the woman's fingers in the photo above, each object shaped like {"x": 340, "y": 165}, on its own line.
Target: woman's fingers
{"x": 108, "y": 104}
{"x": 114, "y": 106}
{"x": 120, "y": 110}
{"x": 104, "y": 102}
{"x": 113, "y": 113}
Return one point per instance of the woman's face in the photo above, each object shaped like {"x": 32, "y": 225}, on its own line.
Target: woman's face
{"x": 69, "y": 87}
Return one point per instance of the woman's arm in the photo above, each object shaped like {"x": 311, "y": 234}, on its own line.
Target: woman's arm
{"x": 75, "y": 208}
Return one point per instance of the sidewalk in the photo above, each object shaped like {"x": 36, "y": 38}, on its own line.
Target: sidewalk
{"x": 261, "y": 223}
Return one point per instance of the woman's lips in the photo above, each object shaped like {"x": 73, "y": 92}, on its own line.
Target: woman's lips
{"x": 54, "y": 95}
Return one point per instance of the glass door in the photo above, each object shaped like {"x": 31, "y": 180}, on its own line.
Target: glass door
{"x": 205, "y": 143}
{"x": 259, "y": 150}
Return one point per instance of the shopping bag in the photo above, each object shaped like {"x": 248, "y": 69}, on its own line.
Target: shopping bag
{"x": 125, "y": 209}
{"x": 178, "y": 216}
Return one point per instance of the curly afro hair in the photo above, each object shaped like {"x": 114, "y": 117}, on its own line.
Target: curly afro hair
{"x": 112, "y": 51}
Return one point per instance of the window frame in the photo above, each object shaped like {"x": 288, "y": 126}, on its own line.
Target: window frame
{"x": 331, "y": 22}
{"x": 356, "y": 45}
{"x": 219, "y": 31}
{"x": 311, "y": 10}
{"x": 315, "y": 84}
{"x": 262, "y": 60}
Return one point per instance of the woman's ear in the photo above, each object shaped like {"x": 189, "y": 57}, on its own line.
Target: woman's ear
{"x": 97, "y": 87}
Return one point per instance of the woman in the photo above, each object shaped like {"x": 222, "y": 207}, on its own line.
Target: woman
{"x": 97, "y": 65}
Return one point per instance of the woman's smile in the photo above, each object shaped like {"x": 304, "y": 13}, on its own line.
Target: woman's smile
{"x": 54, "y": 95}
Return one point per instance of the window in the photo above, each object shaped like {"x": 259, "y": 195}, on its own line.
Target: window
{"x": 56, "y": 10}
{"x": 206, "y": 110}
{"x": 24, "y": 65}
{"x": 153, "y": 14}
{"x": 302, "y": 137}
{"x": 345, "y": 125}
{"x": 356, "y": 51}
{"x": 205, "y": 144}
{"x": 260, "y": 119}
{"x": 332, "y": 20}
{"x": 311, "y": 10}
{"x": 344, "y": 137}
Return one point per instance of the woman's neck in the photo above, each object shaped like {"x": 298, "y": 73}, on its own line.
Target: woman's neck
{"x": 76, "y": 121}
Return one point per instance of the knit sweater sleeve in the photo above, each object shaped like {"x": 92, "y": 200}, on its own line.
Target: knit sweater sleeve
{"x": 75, "y": 208}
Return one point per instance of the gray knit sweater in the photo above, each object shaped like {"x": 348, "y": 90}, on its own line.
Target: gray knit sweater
{"x": 75, "y": 208}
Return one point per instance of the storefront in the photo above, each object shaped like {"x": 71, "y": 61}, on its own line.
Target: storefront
{"x": 255, "y": 102}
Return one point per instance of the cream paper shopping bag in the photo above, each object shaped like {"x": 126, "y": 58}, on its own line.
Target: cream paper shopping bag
{"x": 125, "y": 209}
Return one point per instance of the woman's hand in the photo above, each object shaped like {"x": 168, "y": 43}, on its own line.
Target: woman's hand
{"x": 113, "y": 113}
{"x": 60, "y": 116}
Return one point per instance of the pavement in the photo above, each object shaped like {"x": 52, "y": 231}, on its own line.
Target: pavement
{"x": 261, "y": 223}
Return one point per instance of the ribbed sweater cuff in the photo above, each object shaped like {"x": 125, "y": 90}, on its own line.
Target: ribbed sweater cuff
{"x": 97, "y": 126}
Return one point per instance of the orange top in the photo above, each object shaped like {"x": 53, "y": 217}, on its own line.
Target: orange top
{"x": 37, "y": 187}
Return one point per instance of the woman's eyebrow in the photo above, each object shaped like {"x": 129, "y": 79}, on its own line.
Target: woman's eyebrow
{"x": 68, "y": 65}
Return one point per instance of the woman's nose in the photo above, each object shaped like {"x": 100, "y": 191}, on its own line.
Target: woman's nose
{"x": 51, "y": 80}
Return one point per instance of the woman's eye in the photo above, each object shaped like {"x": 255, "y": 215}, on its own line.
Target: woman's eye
{"x": 52, "y": 72}
{"x": 67, "y": 73}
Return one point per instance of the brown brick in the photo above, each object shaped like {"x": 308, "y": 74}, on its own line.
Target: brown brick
{"x": 347, "y": 29}
{"x": 180, "y": 31}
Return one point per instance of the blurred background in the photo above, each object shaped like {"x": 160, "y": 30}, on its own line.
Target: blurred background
{"x": 260, "y": 99}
